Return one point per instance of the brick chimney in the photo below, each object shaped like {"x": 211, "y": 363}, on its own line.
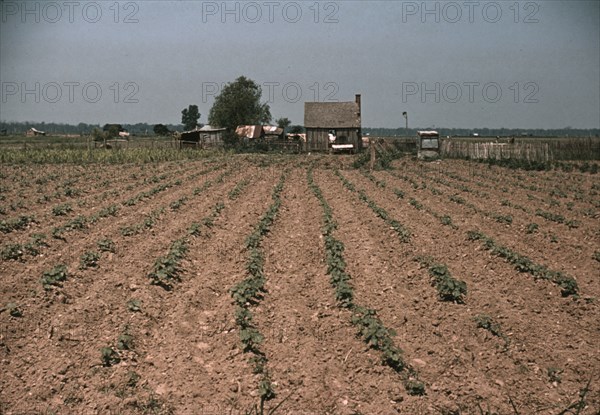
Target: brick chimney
{"x": 357, "y": 100}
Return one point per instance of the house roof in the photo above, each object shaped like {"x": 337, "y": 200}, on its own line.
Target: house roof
{"x": 331, "y": 115}
{"x": 257, "y": 131}
{"x": 249, "y": 131}
{"x": 272, "y": 130}
{"x": 210, "y": 128}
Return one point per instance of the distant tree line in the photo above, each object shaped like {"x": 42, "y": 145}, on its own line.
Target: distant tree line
{"x": 81, "y": 128}
{"x": 486, "y": 132}
{"x": 149, "y": 129}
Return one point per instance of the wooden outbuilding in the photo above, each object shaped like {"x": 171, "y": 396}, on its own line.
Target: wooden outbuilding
{"x": 206, "y": 136}
{"x": 34, "y": 132}
{"x": 428, "y": 144}
{"x": 333, "y": 125}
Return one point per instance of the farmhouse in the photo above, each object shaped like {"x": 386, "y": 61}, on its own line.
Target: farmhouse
{"x": 333, "y": 125}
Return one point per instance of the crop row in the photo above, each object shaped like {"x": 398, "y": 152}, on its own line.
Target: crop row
{"x": 81, "y": 222}
{"x": 66, "y": 187}
{"x": 15, "y": 251}
{"x": 16, "y": 224}
{"x": 508, "y": 218}
{"x": 505, "y": 219}
{"x": 250, "y": 292}
{"x": 85, "y": 157}
{"x": 568, "y": 284}
{"x": 444, "y": 219}
{"x": 371, "y": 328}
{"x": 166, "y": 272}
{"x": 166, "y": 269}
{"x": 498, "y": 217}
{"x": 524, "y": 264}
{"x": 449, "y": 289}
{"x": 492, "y": 183}
{"x": 401, "y": 230}
{"x": 152, "y": 217}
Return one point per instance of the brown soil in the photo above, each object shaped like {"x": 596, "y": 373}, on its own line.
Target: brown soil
{"x": 185, "y": 355}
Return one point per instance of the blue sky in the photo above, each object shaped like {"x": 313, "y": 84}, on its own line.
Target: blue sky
{"x": 525, "y": 64}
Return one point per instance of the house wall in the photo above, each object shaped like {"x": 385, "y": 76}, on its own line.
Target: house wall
{"x": 212, "y": 139}
{"x": 202, "y": 139}
{"x": 317, "y": 139}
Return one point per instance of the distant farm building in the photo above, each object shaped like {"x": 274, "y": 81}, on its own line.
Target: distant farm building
{"x": 428, "y": 144}
{"x": 249, "y": 133}
{"x": 33, "y": 132}
{"x": 207, "y": 136}
{"x": 301, "y": 137}
{"x": 332, "y": 126}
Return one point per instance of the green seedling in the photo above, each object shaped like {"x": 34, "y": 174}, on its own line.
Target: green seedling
{"x": 106, "y": 245}
{"x": 89, "y": 259}
{"x": 54, "y": 277}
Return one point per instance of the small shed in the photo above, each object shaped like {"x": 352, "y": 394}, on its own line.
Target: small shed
{"x": 211, "y": 136}
{"x": 207, "y": 136}
{"x": 33, "y": 132}
{"x": 428, "y": 144}
{"x": 333, "y": 125}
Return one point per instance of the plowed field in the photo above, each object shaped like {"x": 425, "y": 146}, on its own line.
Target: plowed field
{"x": 141, "y": 319}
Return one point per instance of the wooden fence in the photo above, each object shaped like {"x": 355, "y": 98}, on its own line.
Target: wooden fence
{"x": 572, "y": 149}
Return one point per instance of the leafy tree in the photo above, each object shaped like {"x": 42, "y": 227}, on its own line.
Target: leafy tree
{"x": 160, "y": 129}
{"x": 284, "y": 123}
{"x": 296, "y": 129}
{"x": 98, "y": 135}
{"x": 239, "y": 104}
{"x": 113, "y": 131}
{"x": 190, "y": 117}
{"x": 109, "y": 126}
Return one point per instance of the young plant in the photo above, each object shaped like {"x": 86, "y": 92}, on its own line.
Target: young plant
{"x": 166, "y": 269}
{"x": 16, "y": 224}
{"x": 125, "y": 340}
{"x": 62, "y": 210}
{"x": 109, "y": 357}
{"x": 54, "y": 277}
{"x": 106, "y": 245}
{"x": 11, "y": 252}
{"x": 89, "y": 259}
{"x": 484, "y": 321}
{"x": 449, "y": 288}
